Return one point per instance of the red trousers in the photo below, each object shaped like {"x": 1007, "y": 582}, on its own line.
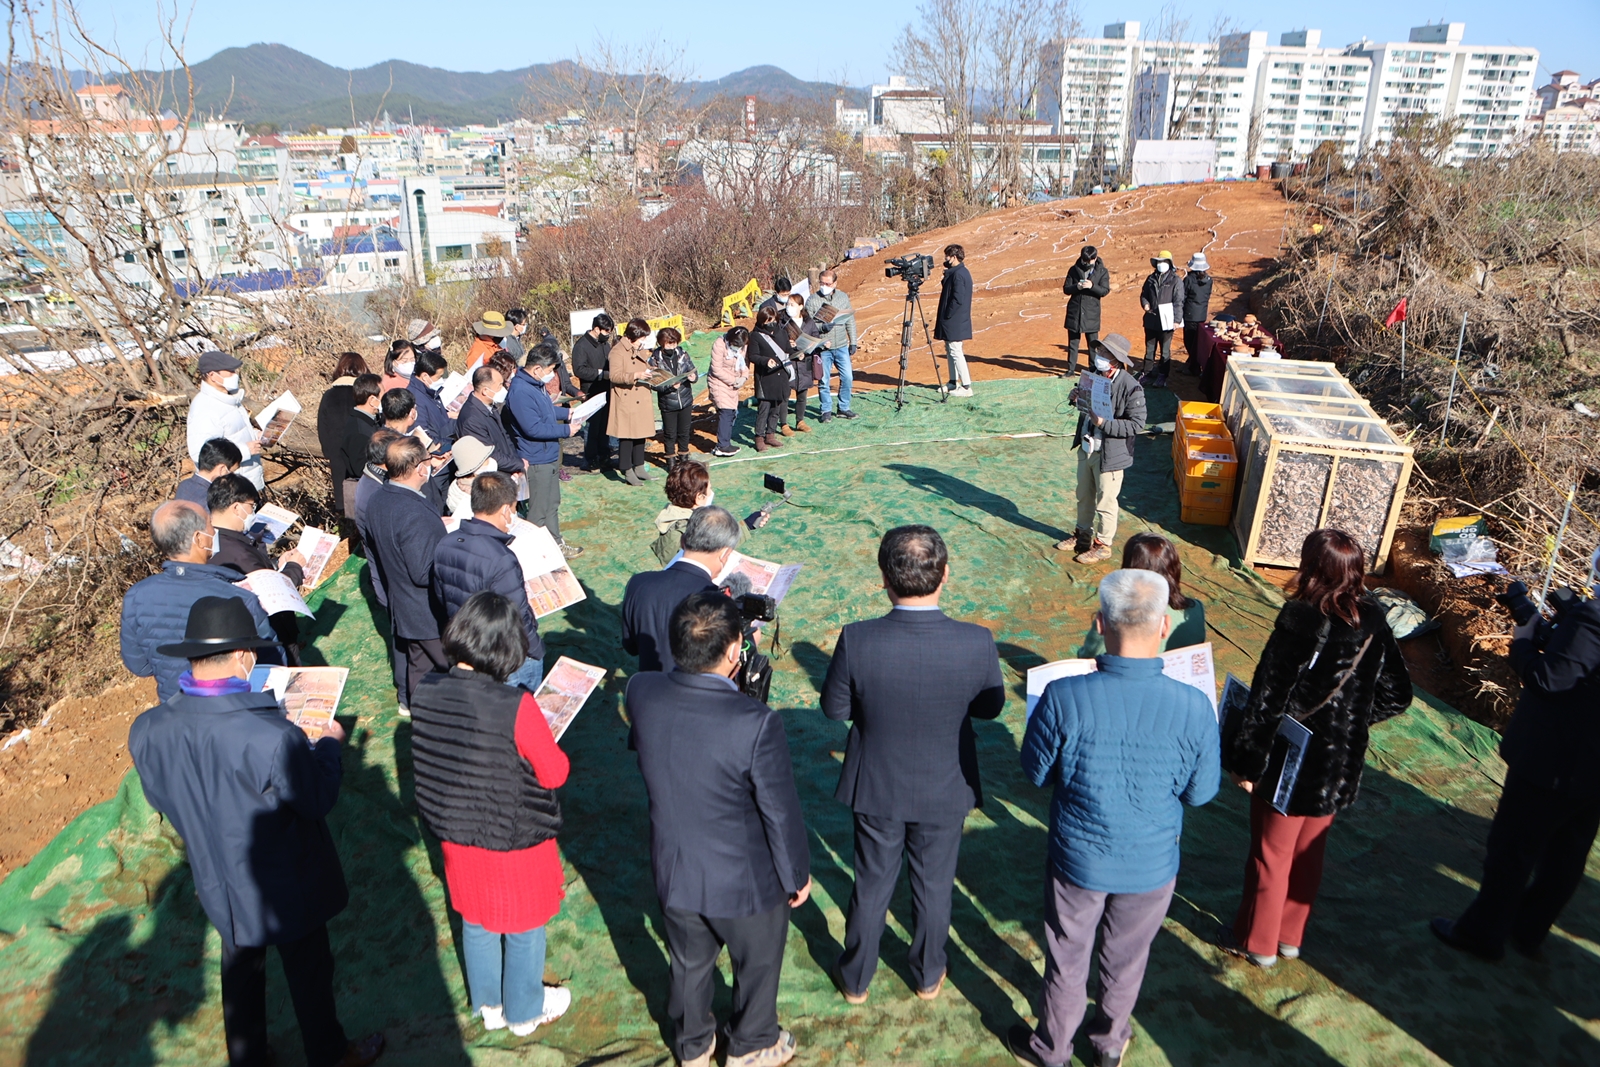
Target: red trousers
{"x": 1281, "y": 877}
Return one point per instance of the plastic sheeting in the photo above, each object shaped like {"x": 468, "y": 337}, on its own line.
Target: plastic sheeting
{"x": 1170, "y": 162}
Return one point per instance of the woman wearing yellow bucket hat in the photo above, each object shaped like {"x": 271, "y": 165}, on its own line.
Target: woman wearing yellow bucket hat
{"x": 1162, "y": 300}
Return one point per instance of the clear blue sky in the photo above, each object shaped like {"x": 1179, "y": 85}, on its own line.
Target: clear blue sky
{"x": 853, "y": 40}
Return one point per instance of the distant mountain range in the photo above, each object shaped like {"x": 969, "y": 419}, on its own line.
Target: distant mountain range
{"x": 273, "y": 83}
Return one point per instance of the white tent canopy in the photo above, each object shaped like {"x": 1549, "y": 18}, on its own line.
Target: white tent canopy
{"x": 1169, "y": 162}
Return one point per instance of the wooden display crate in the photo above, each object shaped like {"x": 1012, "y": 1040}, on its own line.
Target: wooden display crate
{"x": 1311, "y": 453}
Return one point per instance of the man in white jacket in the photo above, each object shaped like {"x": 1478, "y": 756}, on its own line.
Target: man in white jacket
{"x": 217, "y": 410}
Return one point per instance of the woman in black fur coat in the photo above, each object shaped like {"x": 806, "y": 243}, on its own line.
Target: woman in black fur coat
{"x": 1332, "y": 665}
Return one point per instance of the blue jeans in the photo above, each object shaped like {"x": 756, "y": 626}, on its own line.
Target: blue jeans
{"x": 518, "y": 985}
{"x": 831, "y": 358}
{"x": 529, "y": 675}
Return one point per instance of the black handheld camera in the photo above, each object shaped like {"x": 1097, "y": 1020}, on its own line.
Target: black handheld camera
{"x": 914, "y": 269}
{"x": 1524, "y": 609}
{"x": 757, "y": 607}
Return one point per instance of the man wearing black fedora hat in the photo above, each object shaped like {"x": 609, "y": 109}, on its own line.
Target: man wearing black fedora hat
{"x": 250, "y": 799}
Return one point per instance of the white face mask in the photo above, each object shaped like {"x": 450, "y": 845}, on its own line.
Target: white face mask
{"x": 737, "y": 353}
{"x": 711, "y": 497}
{"x": 794, "y": 313}
{"x": 216, "y": 542}
{"x": 1162, "y": 267}
{"x": 1102, "y": 364}
{"x": 546, "y": 380}
{"x": 250, "y": 516}
{"x": 405, "y": 369}
{"x": 231, "y": 383}
{"x": 500, "y": 396}
{"x": 825, "y": 290}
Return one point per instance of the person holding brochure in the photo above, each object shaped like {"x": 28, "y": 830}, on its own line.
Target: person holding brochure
{"x": 487, "y": 769}
{"x": 1186, "y": 616}
{"x": 424, "y": 385}
{"x": 910, "y": 684}
{"x": 1124, "y": 748}
{"x": 217, "y": 410}
{"x": 1162, "y": 301}
{"x": 677, "y": 401}
{"x": 537, "y": 428}
{"x": 1104, "y": 444}
{"x": 1331, "y": 667}
{"x": 729, "y": 371}
{"x": 648, "y": 602}
{"x": 632, "y": 411}
{"x": 232, "y": 501}
{"x": 250, "y": 797}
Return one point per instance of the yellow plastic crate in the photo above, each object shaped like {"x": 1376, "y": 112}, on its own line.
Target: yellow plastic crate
{"x": 1203, "y": 428}
{"x": 1198, "y": 409}
{"x": 1199, "y": 483}
{"x": 1204, "y": 516}
{"x": 1212, "y": 501}
{"x": 1208, "y": 457}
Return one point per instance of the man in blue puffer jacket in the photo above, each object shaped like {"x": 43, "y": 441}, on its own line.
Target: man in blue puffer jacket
{"x": 1126, "y": 748}
{"x": 478, "y": 556}
{"x": 156, "y": 610}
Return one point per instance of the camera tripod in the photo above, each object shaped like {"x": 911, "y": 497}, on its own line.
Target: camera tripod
{"x": 914, "y": 299}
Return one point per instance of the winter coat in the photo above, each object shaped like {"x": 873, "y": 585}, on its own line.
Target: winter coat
{"x": 728, "y": 375}
{"x": 155, "y": 612}
{"x": 953, "y": 320}
{"x": 250, "y": 798}
{"x": 633, "y": 407}
{"x": 841, "y": 333}
{"x": 1128, "y": 416}
{"x": 1161, "y": 289}
{"x": 671, "y": 521}
{"x": 589, "y": 359}
{"x": 244, "y": 554}
{"x": 479, "y": 421}
{"x": 675, "y": 361}
{"x": 1197, "y": 296}
{"x": 537, "y": 426}
{"x": 1125, "y": 748}
{"x": 1358, "y": 679}
{"x": 432, "y": 415}
{"x": 214, "y": 413}
{"x": 1083, "y": 305}
{"x": 358, "y": 431}
{"x": 810, "y": 345}
{"x": 476, "y": 557}
{"x": 404, "y": 529}
{"x": 333, "y": 418}
{"x": 769, "y": 354}
{"x": 1553, "y": 738}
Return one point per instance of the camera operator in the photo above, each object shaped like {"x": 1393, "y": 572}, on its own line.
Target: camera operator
{"x": 1550, "y": 804}
{"x": 839, "y": 338}
{"x": 952, "y": 324}
{"x": 650, "y": 598}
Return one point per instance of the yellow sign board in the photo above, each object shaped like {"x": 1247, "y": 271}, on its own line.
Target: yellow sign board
{"x": 674, "y": 321}
{"x": 742, "y": 303}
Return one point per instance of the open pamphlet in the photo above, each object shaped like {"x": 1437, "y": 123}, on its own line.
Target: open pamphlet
{"x": 270, "y": 523}
{"x": 550, "y": 583}
{"x": 275, "y": 591}
{"x": 564, "y": 690}
{"x": 588, "y": 407}
{"x": 769, "y": 579}
{"x": 453, "y": 392}
{"x": 1094, "y": 394}
{"x": 274, "y": 419}
{"x": 1191, "y": 665}
{"x": 309, "y": 696}
{"x": 317, "y": 547}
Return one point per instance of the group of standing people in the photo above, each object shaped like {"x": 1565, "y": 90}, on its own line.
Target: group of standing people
{"x": 1165, "y": 299}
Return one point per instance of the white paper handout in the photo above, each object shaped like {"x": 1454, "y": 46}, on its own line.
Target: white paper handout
{"x": 550, "y": 583}
{"x": 317, "y": 547}
{"x": 271, "y": 523}
{"x": 453, "y": 392}
{"x": 768, "y": 579}
{"x": 275, "y": 591}
{"x": 588, "y": 407}
{"x": 1094, "y": 394}
{"x": 309, "y": 696}
{"x": 565, "y": 688}
{"x": 1191, "y": 665}
{"x": 274, "y": 419}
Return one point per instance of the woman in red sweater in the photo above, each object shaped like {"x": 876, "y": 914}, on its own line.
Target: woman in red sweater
{"x": 486, "y": 768}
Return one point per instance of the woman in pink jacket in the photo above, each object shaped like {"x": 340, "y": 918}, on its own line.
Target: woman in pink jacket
{"x": 729, "y": 371}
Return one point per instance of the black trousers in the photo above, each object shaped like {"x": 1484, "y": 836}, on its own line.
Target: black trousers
{"x": 931, "y": 851}
{"x": 755, "y": 948}
{"x": 800, "y": 398}
{"x": 308, "y": 969}
{"x": 596, "y": 447}
{"x": 630, "y": 453}
{"x": 769, "y": 416}
{"x": 675, "y": 429}
{"x": 1154, "y": 339}
{"x": 1091, "y": 339}
{"x": 422, "y": 655}
{"x": 1538, "y": 846}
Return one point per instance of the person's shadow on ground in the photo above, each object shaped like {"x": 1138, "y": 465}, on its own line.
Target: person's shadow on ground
{"x": 959, "y": 491}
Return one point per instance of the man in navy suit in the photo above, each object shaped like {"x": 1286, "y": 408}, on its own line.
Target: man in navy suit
{"x": 647, "y": 604}
{"x": 727, "y": 841}
{"x": 910, "y": 683}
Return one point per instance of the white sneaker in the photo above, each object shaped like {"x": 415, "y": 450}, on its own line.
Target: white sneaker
{"x": 494, "y": 1018}
{"x": 403, "y": 711}
{"x": 557, "y": 999}
{"x": 961, "y": 390}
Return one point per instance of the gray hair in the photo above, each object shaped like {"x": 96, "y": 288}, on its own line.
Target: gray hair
{"x": 828, "y": 275}
{"x": 1132, "y": 600}
{"x": 711, "y": 529}
{"x": 173, "y": 526}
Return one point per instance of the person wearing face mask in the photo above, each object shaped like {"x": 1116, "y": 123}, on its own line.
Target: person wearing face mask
{"x": 490, "y": 334}
{"x": 477, "y": 418}
{"x": 249, "y": 793}
{"x": 676, "y": 403}
{"x": 807, "y": 348}
{"x": 431, "y": 412}
{"x": 771, "y": 348}
{"x": 1105, "y": 451}
{"x": 233, "y": 502}
{"x": 590, "y": 355}
{"x": 217, "y": 410}
{"x": 399, "y": 365}
{"x": 537, "y": 429}
{"x": 730, "y": 369}
{"x": 709, "y": 538}
{"x": 1196, "y": 307}
{"x": 688, "y": 488}
{"x": 1162, "y": 301}
{"x": 839, "y": 344}
{"x": 632, "y": 403}
{"x": 1087, "y": 282}
{"x": 155, "y": 610}
{"x": 953, "y": 321}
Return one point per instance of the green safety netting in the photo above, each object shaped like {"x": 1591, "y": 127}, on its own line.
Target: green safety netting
{"x": 106, "y": 957}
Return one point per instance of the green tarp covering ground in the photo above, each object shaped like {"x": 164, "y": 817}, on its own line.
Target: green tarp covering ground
{"x": 105, "y": 956}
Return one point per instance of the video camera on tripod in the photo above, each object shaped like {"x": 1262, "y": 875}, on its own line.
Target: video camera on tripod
{"x": 914, "y": 269}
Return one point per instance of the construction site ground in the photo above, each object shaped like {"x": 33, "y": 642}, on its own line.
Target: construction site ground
{"x": 106, "y": 957}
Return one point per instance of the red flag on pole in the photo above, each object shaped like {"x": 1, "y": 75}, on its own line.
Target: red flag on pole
{"x": 1397, "y": 315}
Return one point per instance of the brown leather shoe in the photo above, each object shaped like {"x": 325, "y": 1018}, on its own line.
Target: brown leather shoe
{"x": 761, "y": 444}
{"x": 773, "y": 441}
{"x": 787, "y": 432}
{"x": 838, "y": 983}
{"x": 801, "y": 427}
{"x": 363, "y": 1052}
{"x": 1098, "y": 553}
{"x": 932, "y": 992}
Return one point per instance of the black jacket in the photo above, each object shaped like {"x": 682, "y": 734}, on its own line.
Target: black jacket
{"x": 1553, "y": 738}
{"x": 953, "y": 320}
{"x": 250, "y": 798}
{"x": 772, "y": 367}
{"x": 404, "y": 528}
{"x": 1197, "y": 296}
{"x": 675, "y": 361}
{"x": 333, "y": 420}
{"x": 358, "y": 431}
{"x": 727, "y": 838}
{"x": 244, "y": 555}
{"x": 1083, "y": 305}
{"x": 1161, "y": 289}
{"x": 647, "y": 606}
{"x": 590, "y": 359}
{"x": 477, "y": 420}
{"x": 1337, "y": 698}
{"x": 911, "y": 683}
{"x": 477, "y": 557}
